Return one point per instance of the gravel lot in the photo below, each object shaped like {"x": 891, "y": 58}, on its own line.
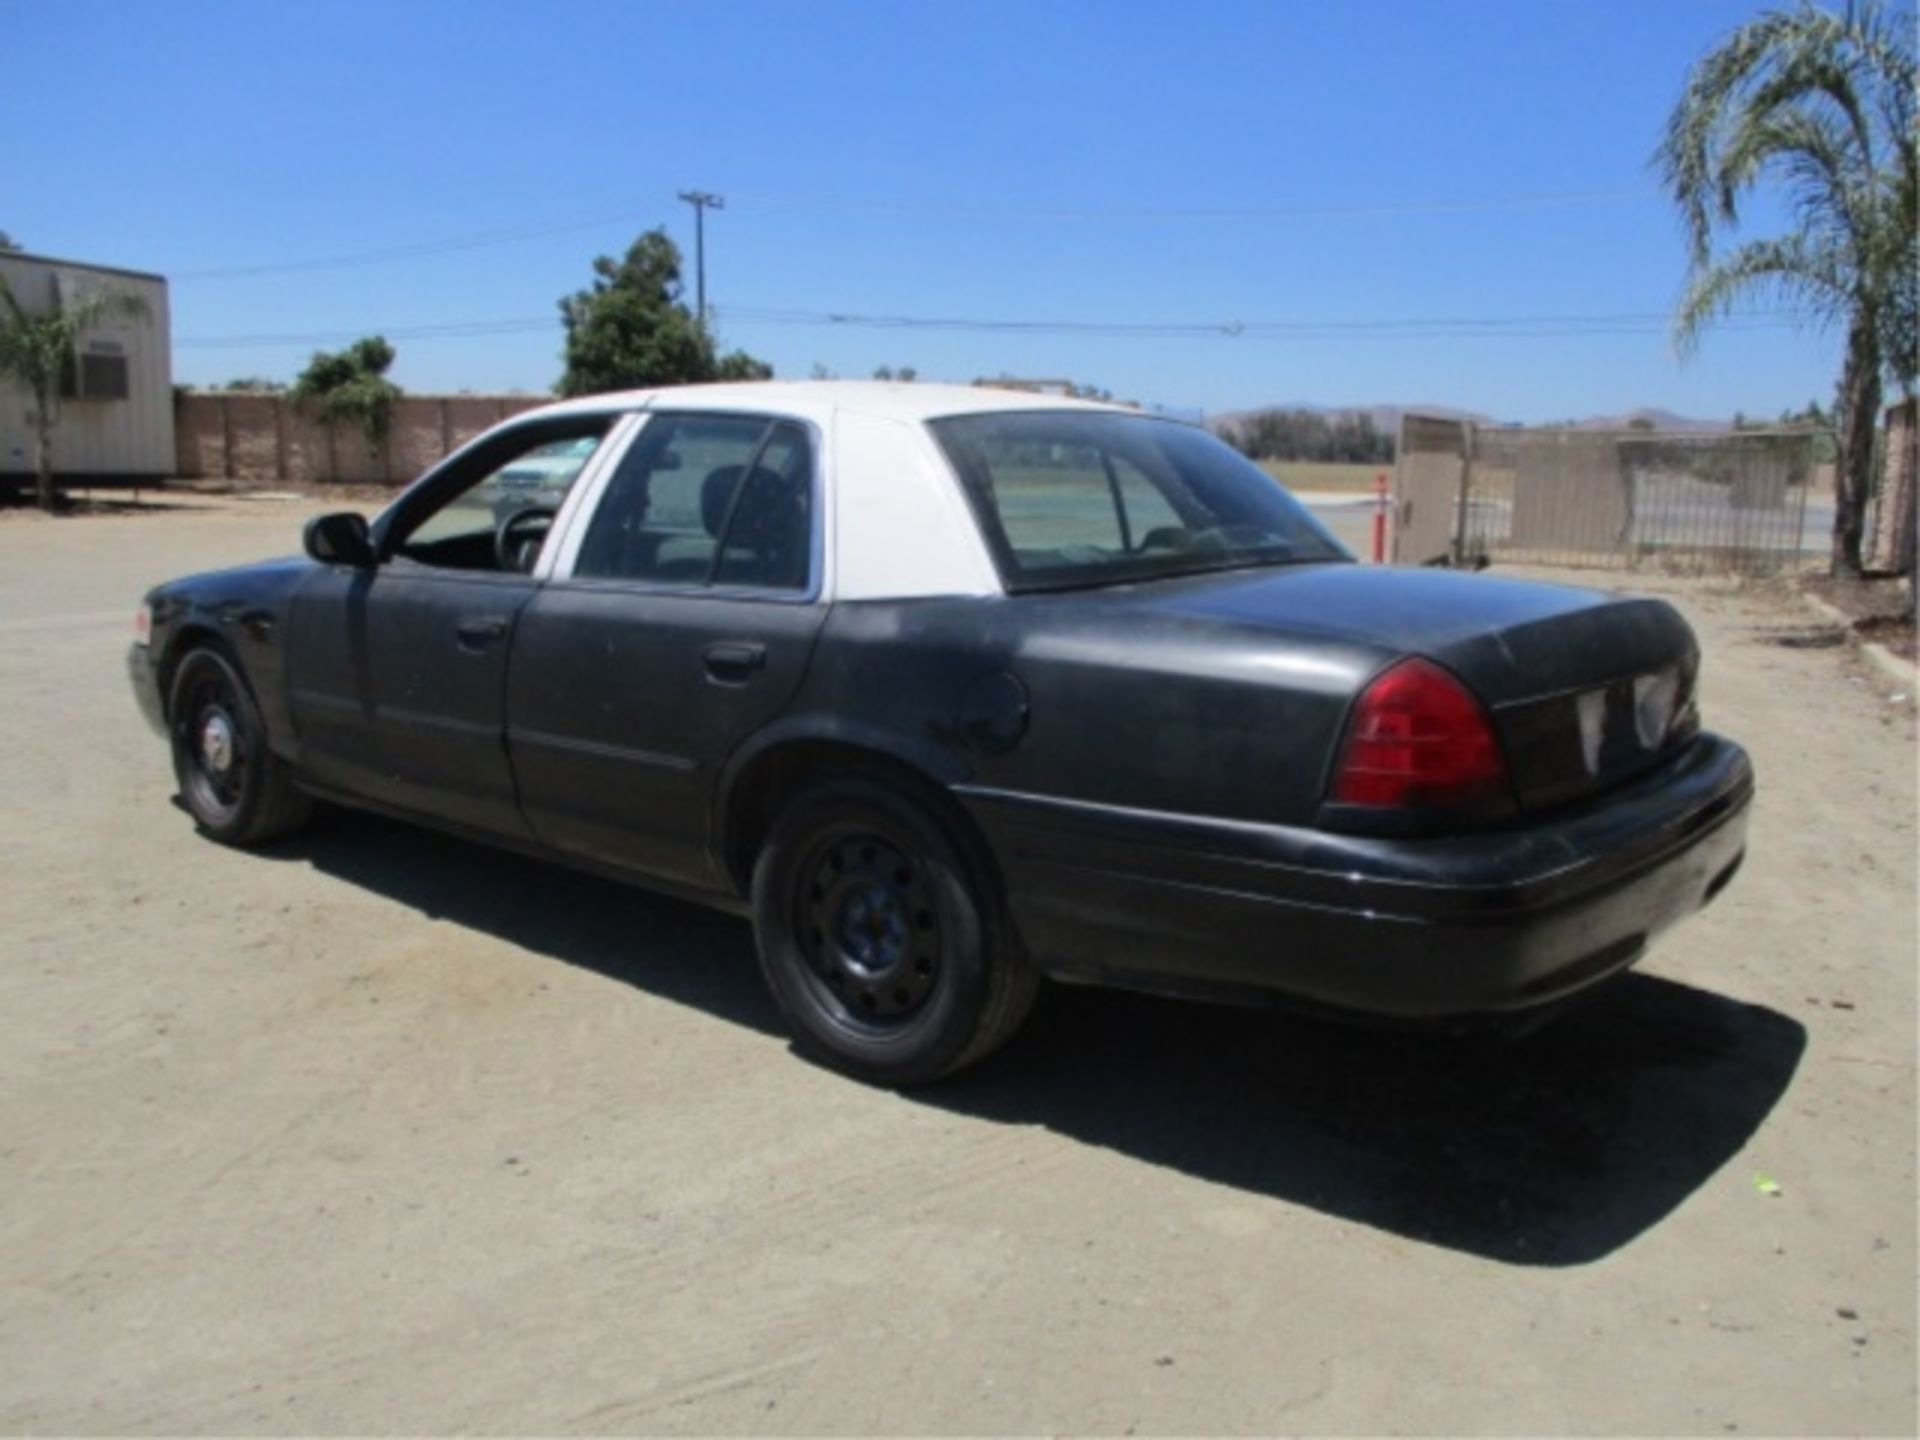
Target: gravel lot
{"x": 379, "y": 1132}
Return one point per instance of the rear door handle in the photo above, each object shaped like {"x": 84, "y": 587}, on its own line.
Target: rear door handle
{"x": 734, "y": 662}
{"x": 479, "y": 631}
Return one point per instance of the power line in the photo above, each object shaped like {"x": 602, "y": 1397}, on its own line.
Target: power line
{"x": 476, "y": 241}
{"x": 1642, "y": 322}
{"x": 1330, "y": 210}
{"x": 1410, "y": 328}
{"x": 450, "y": 330}
{"x": 484, "y": 239}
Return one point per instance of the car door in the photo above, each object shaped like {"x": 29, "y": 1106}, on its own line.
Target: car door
{"x": 398, "y": 671}
{"x": 680, "y": 619}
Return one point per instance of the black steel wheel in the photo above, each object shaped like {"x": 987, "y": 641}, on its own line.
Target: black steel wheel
{"x": 882, "y": 937}
{"x": 867, "y": 922}
{"x": 232, "y": 783}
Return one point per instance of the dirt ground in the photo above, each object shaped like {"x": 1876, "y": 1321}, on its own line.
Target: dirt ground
{"x": 379, "y": 1132}
{"x": 1881, "y": 611}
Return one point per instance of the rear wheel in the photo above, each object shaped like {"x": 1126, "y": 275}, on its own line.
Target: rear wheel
{"x": 882, "y": 937}
{"x": 237, "y": 790}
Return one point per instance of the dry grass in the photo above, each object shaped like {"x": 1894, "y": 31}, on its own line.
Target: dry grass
{"x": 1326, "y": 475}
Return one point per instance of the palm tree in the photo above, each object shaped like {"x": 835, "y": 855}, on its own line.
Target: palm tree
{"x": 36, "y": 350}
{"x": 1822, "y": 103}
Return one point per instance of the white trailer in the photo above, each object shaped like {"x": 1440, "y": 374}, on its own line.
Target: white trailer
{"x": 116, "y": 410}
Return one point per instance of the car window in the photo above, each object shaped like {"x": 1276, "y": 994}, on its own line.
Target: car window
{"x": 1147, "y": 509}
{"x": 527, "y": 475}
{"x": 1067, "y": 498}
{"x": 704, "y": 500}
{"x": 1055, "y": 497}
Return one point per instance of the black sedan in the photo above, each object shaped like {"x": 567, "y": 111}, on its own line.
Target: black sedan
{"x": 951, "y": 690}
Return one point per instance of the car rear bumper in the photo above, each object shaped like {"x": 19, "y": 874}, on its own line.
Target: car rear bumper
{"x": 146, "y": 687}
{"x": 1487, "y": 923}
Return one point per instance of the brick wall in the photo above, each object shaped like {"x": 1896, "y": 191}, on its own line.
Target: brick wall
{"x": 235, "y": 435}
{"x": 199, "y": 438}
{"x": 1890, "y": 540}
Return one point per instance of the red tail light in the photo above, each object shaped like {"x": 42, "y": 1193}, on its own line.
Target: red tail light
{"x": 1418, "y": 738}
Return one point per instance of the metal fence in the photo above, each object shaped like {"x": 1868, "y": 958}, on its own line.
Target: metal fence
{"x": 1745, "y": 502}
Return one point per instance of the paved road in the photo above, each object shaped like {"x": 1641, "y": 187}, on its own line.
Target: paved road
{"x": 377, "y": 1133}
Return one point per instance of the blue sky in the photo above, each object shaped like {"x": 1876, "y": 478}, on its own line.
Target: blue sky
{"x": 1346, "y": 166}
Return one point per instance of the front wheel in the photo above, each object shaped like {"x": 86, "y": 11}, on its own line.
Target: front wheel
{"x": 235, "y": 787}
{"x": 882, "y": 938}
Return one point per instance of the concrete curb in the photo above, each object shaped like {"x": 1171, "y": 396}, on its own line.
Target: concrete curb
{"x": 1901, "y": 672}
{"x": 1833, "y": 614}
{"x": 1877, "y": 657}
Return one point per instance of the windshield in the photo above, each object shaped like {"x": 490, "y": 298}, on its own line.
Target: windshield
{"x": 1071, "y": 498}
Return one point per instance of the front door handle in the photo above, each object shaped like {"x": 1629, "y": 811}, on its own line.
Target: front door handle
{"x": 734, "y": 662}
{"x": 477, "y": 632}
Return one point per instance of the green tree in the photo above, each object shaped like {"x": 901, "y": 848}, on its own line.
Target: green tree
{"x": 738, "y": 365}
{"x": 350, "y": 387}
{"x": 37, "y": 351}
{"x": 7, "y": 242}
{"x": 1823, "y": 105}
{"x": 631, "y": 329}
{"x": 1352, "y": 437}
{"x": 252, "y": 382}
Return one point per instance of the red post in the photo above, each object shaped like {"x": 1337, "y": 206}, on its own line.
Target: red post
{"x": 1380, "y": 518}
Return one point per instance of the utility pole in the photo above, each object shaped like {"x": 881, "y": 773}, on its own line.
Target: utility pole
{"x": 701, "y": 201}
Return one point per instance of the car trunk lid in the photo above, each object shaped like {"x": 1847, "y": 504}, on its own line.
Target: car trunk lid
{"x": 1586, "y": 689}
{"x": 1585, "y": 700}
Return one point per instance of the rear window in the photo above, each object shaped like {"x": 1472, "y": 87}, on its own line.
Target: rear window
{"x": 1068, "y": 498}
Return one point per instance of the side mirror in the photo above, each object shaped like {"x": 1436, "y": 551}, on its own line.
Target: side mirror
{"x": 339, "y": 539}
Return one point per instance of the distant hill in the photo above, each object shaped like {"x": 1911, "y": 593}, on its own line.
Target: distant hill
{"x": 1652, "y": 415}
{"x": 1387, "y": 417}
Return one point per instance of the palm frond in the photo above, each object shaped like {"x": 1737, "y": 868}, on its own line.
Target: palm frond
{"x": 1815, "y": 278}
{"x": 34, "y": 347}
{"x": 1848, "y": 76}
{"x": 1830, "y": 184}
{"x": 1886, "y": 48}
{"x": 1688, "y": 156}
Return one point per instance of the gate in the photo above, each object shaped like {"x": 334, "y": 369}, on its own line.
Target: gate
{"x": 1564, "y": 495}
{"x": 1429, "y": 487}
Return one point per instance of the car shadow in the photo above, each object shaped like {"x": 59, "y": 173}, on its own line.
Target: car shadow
{"x": 1555, "y": 1149}
{"x": 1548, "y": 1151}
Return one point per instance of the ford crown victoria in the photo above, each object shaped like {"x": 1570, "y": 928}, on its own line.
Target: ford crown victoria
{"x": 951, "y": 690}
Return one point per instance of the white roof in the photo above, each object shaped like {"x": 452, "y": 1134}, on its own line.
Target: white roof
{"x": 816, "y": 400}
{"x": 897, "y": 524}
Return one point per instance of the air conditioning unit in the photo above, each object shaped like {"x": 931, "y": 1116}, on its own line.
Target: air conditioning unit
{"x": 98, "y": 372}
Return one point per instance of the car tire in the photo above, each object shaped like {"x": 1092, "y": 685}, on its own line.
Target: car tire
{"x": 237, "y": 790}
{"x": 882, "y": 935}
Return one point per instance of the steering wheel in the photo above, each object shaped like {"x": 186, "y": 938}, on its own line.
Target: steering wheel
{"x": 517, "y": 538}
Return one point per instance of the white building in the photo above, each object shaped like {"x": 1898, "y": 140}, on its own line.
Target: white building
{"x": 116, "y": 417}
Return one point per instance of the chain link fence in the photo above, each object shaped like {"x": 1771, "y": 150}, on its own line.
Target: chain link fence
{"x": 1746, "y": 502}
